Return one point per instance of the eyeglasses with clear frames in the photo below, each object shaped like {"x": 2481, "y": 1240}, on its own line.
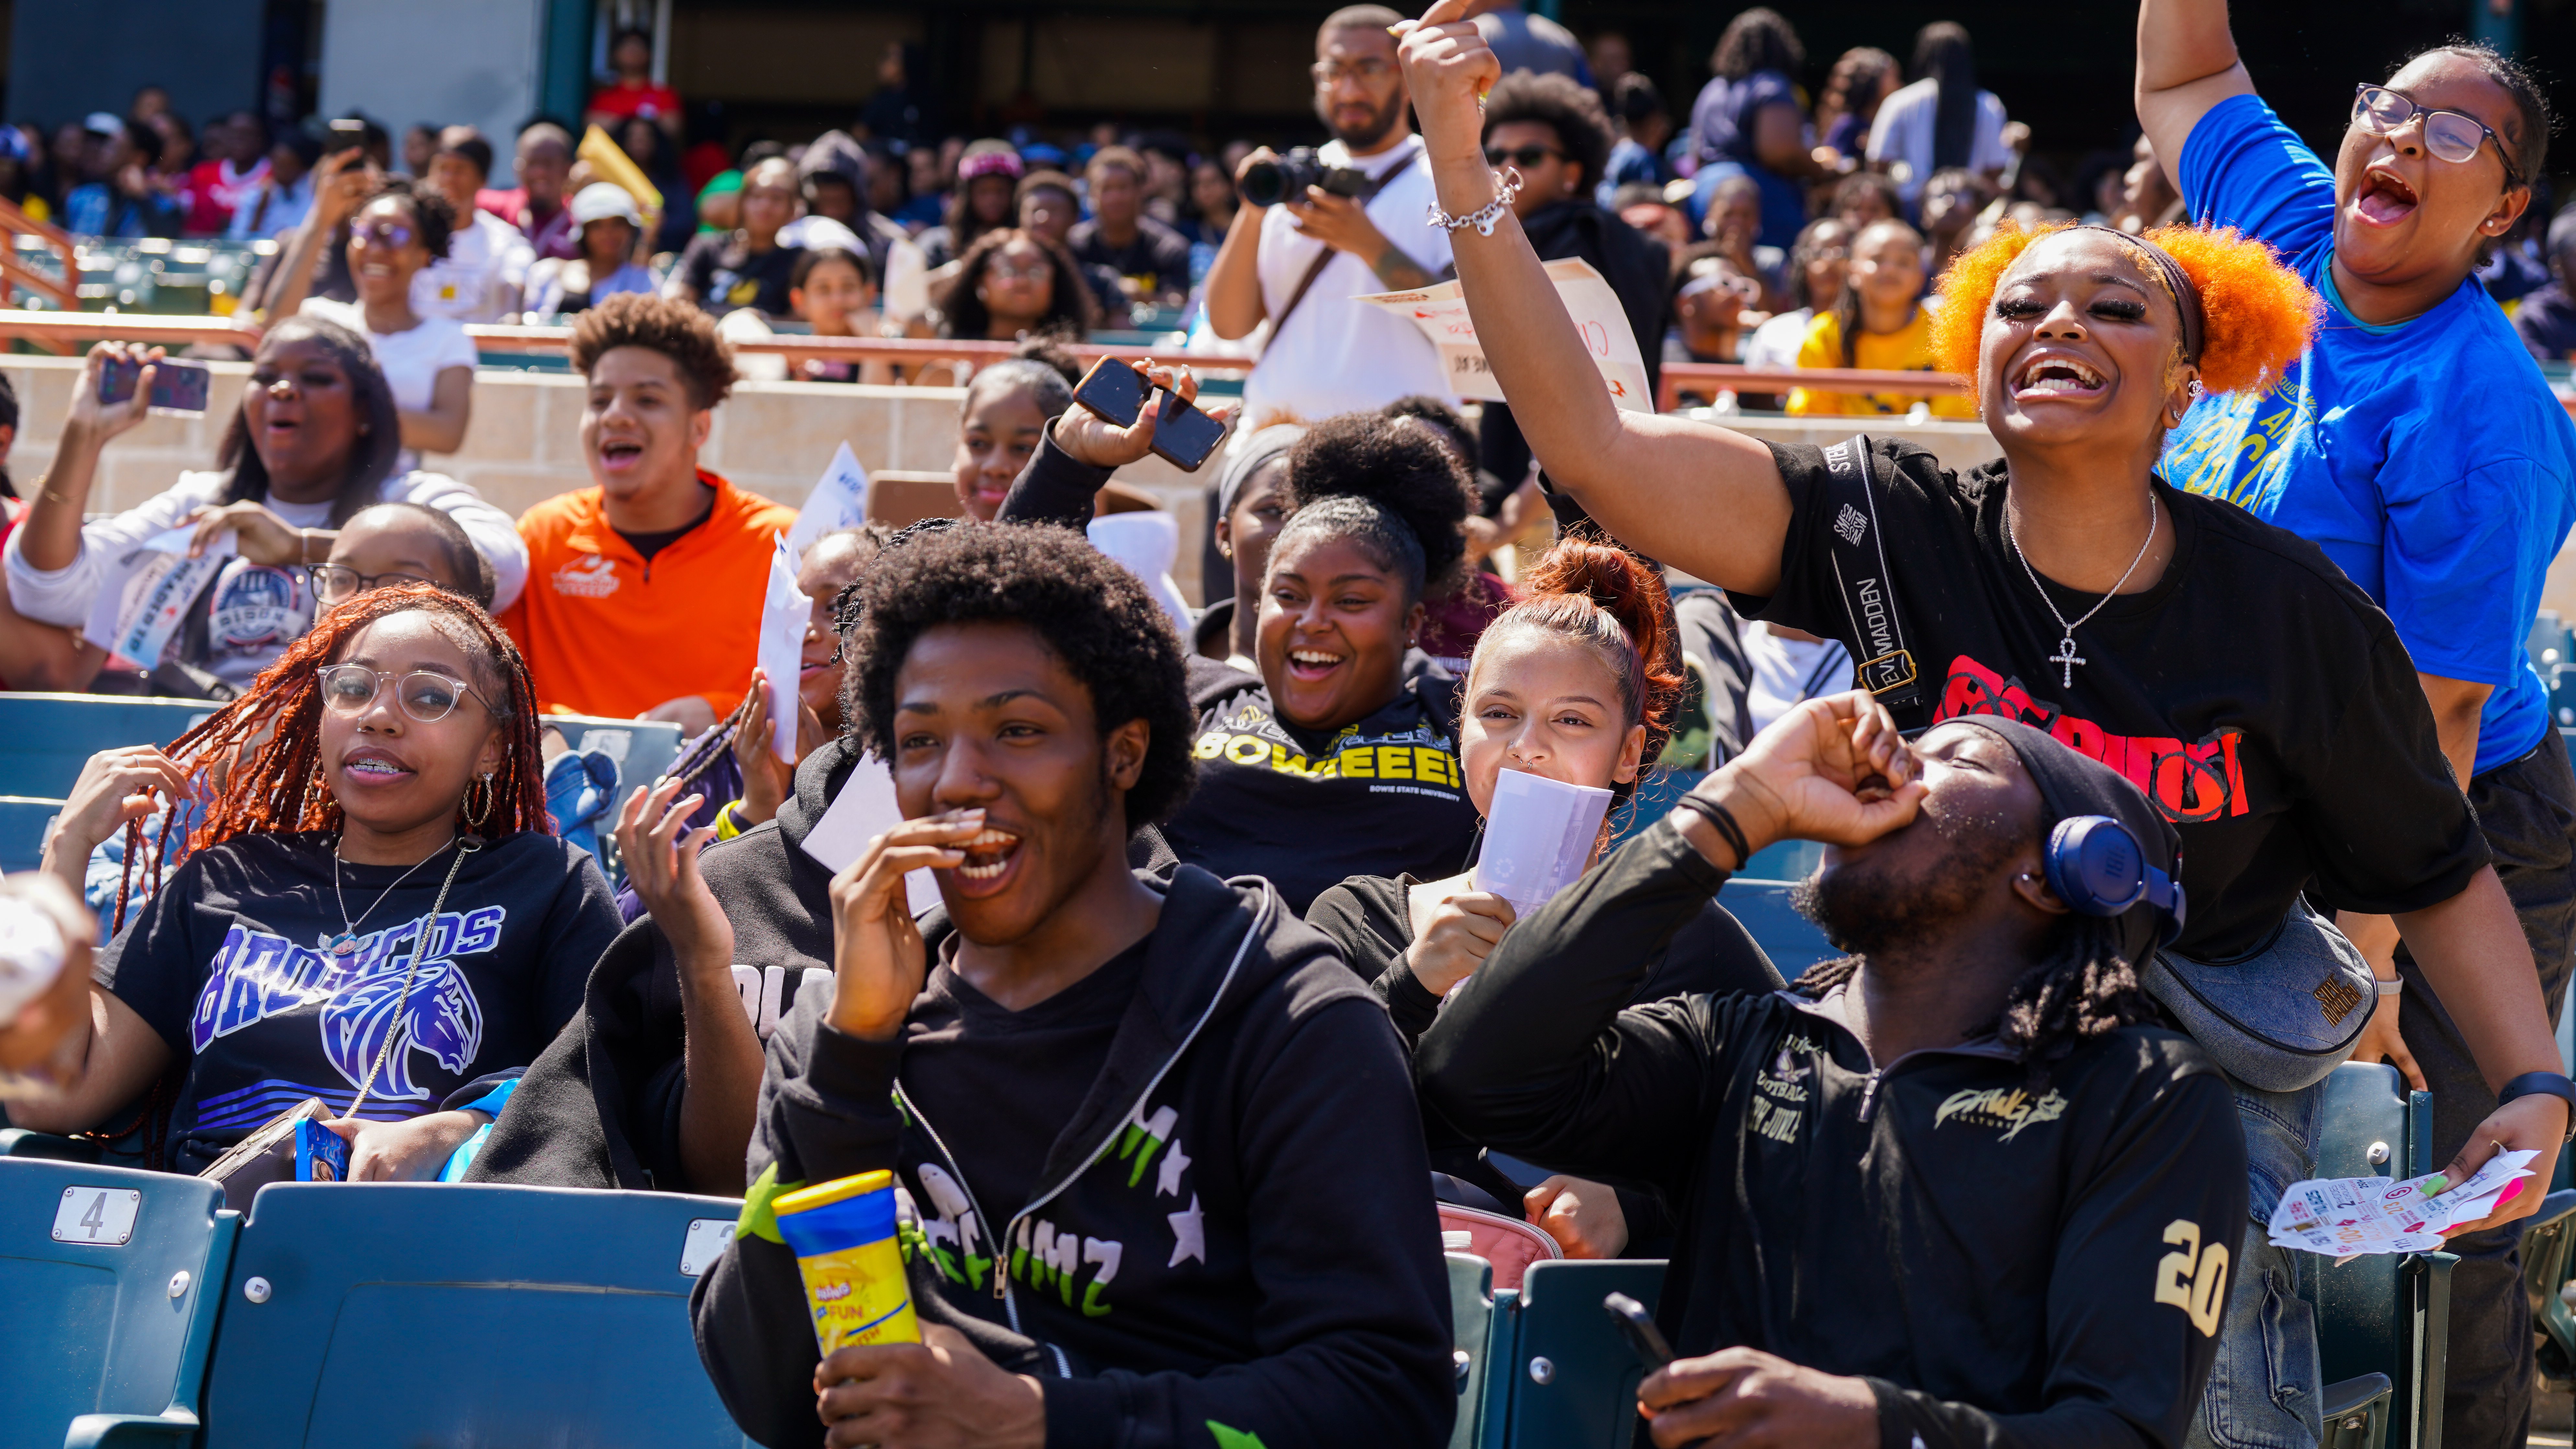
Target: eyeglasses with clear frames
{"x": 2452, "y": 136}
{"x": 425, "y": 695}
{"x": 1368, "y": 71}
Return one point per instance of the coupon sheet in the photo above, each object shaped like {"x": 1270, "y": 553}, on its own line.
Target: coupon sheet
{"x": 2342, "y": 1217}
{"x": 865, "y": 809}
{"x": 839, "y": 500}
{"x": 784, "y": 613}
{"x": 1538, "y": 837}
{"x": 1441, "y": 313}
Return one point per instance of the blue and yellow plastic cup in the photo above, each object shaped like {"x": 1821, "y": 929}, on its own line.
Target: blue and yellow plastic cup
{"x": 842, "y": 1233}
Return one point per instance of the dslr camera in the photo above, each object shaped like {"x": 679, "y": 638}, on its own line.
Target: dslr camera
{"x": 1268, "y": 183}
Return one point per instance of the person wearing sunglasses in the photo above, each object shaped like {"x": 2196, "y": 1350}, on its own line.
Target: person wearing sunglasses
{"x": 2416, "y": 443}
{"x": 1553, "y": 131}
{"x": 394, "y": 234}
{"x": 367, "y": 903}
{"x": 311, "y": 446}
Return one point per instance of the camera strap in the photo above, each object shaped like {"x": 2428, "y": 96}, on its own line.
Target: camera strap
{"x": 1881, "y": 662}
{"x": 1325, "y": 257}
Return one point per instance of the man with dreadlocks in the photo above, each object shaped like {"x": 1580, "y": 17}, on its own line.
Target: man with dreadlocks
{"x": 1945, "y": 1191}
{"x": 372, "y": 909}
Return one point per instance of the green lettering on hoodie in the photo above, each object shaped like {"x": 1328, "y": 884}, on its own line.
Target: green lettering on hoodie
{"x": 1232, "y": 1438}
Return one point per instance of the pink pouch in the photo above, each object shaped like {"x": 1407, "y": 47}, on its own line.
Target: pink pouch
{"x": 1508, "y": 1243}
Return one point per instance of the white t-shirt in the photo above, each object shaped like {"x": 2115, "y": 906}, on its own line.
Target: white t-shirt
{"x": 411, "y": 360}
{"x": 257, "y": 610}
{"x": 1336, "y": 355}
{"x": 479, "y": 278}
{"x": 1903, "y": 132}
{"x": 1775, "y": 343}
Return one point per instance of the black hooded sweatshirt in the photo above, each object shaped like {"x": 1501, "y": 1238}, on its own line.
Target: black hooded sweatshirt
{"x": 1189, "y": 1259}
{"x": 2007, "y": 1264}
{"x": 600, "y": 1106}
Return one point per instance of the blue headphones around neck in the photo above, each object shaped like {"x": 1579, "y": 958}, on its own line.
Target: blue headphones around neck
{"x": 2096, "y": 866}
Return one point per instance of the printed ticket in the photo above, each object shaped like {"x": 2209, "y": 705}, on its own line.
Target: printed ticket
{"x": 2342, "y": 1217}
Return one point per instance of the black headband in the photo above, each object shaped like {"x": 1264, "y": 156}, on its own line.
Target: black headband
{"x": 2186, "y": 295}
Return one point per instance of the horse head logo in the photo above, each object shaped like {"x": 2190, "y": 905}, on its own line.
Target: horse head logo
{"x": 440, "y": 1016}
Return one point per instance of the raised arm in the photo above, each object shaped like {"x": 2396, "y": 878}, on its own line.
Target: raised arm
{"x": 2187, "y": 63}
{"x": 1655, "y": 482}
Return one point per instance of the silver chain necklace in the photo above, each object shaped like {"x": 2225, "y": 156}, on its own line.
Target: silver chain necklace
{"x": 2066, "y": 658}
{"x": 347, "y": 941}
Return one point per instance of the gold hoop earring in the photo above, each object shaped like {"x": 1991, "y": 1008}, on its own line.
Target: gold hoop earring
{"x": 491, "y": 798}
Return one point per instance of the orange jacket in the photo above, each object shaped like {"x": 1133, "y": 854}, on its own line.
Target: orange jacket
{"x": 607, "y": 634}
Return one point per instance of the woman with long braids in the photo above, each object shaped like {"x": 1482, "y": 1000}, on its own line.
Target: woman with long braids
{"x": 314, "y": 442}
{"x": 2226, "y": 667}
{"x": 371, "y": 909}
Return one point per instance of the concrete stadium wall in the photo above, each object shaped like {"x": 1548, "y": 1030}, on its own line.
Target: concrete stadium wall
{"x": 773, "y": 438}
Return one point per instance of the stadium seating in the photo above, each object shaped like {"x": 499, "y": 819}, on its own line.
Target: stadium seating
{"x": 2546, "y": 1242}
{"x": 52, "y": 735}
{"x": 22, "y": 831}
{"x": 1791, "y": 940}
{"x": 1471, "y": 1320}
{"x": 2379, "y": 1317}
{"x": 110, "y": 1282}
{"x": 1568, "y": 1380}
{"x": 428, "y": 1313}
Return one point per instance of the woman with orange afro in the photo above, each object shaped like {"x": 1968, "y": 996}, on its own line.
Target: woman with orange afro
{"x": 2226, "y": 667}
{"x": 373, "y": 908}
{"x": 2417, "y": 444}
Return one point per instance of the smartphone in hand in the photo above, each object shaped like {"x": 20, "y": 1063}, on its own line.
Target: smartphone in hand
{"x": 177, "y": 387}
{"x": 1638, "y": 1327}
{"x": 1183, "y": 435}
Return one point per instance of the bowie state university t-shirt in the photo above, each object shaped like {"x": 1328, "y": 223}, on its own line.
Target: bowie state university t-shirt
{"x": 227, "y": 963}
{"x": 2254, "y": 693}
{"x": 1380, "y": 796}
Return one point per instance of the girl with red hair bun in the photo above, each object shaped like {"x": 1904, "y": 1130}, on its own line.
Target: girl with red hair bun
{"x": 371, "y": 907}
{"x": 1579, "y": 682}
{"x": 2225, "y": 666}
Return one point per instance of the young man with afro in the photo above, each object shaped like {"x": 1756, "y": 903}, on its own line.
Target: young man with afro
{"x": 1130, "y": 1107}
{"x": 644, "y": 590}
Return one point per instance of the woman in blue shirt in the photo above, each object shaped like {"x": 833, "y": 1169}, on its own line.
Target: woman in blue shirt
{"x": 1750, "y": 119}
{"x": 2417, "y": 445}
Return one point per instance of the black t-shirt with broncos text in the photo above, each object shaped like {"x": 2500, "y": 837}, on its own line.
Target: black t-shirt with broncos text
{"x": 1380, "y": 796}
{"x": 2254, "y": 693}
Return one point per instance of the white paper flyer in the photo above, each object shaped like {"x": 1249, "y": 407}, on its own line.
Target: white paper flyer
{"x": 1441, "y": 313}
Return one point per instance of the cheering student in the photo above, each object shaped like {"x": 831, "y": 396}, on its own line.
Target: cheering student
{"x": 1124, "y": 1104}
{"x": 1251, "y": 503}
{"x": 2065, "y": 584}
{"x": 312, "y": 445}
{"x": 372, "y": 910}
{"x": 2360, "y": 448}
{"x": 650, "y": 581}
{"x": 1003, "y": 419}
{"x": 1971, "y": 1106}
{"x": 1579, "y": 683}
{"x": 1338, "y": 759}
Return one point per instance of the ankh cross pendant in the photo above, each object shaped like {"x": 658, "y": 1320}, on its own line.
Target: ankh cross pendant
{"x": 2067, "y": 659}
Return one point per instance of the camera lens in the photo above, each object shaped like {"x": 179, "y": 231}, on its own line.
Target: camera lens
{"x": 1264, "y": 184}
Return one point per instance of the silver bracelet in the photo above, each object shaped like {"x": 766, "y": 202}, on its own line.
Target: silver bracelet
{"x": 2390, "y": 985}
{"x": 1507, "y": 184}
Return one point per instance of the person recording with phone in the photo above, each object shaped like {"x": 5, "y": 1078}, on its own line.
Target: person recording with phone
{"x": 1972, "y": 1104}
{"x": 1295, "y": 260}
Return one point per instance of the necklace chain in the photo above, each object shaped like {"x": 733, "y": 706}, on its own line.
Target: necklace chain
{"x": 347, "y": 939}
{"x": 2066, "y": 658}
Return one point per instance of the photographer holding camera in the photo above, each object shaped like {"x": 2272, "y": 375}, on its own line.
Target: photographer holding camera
{"x": 1319, "y": 227}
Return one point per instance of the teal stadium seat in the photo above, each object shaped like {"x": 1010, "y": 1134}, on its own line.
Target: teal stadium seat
{"x": 2546, "y": 1243}
{"x": 1471, "y": 1321}
{"x": 2383, "y": 1322}
{"x": 110, "y": 1281}
{"x": 400, "y": 1314}
{"x": 1571, "y": 1378}
{"x": 1791, "y": 940}
{"x": 22, "y": 831}
{"x": 50, "y": 736}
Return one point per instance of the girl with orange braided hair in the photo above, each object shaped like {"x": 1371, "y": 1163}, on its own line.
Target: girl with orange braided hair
{"x": 371, "y": 907}
{"x": 1580, "y": 682}
{"x": 2226, "y": 667}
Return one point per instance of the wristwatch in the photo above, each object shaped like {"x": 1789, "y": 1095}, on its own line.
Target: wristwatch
{"x": 2531, "y": 1084}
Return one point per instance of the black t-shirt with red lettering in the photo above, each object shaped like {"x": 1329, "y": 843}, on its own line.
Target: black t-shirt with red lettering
{"x": 1380, "y": 796}
{"x": 2254, "y": 693}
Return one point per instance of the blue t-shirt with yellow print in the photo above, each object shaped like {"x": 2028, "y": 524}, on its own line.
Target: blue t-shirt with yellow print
{"x": 2428, "y": 458}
